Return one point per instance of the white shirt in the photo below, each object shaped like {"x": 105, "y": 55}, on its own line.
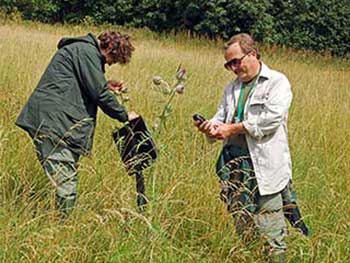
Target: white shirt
{"x": 265, "y": 119}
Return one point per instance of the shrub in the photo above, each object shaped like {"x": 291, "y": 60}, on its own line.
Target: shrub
{"x": 321, "y": 26}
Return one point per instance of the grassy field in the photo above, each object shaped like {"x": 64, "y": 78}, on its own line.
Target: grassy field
{"x": 185, "y": 221}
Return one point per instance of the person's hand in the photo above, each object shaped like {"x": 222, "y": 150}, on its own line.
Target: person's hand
{"x": 222, "y": 131}
{"x": 132, "y": 115}
{"x": 225, "y": 130}
{"x": 114, "y": 85}
{"x": 206, "y": 127}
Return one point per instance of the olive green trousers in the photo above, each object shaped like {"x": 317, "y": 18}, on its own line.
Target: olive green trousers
{"x": 250, "y": 210}
{"x": 60, "y": 166}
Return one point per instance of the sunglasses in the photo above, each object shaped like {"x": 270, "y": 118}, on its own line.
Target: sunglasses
{"x": 235, "y": 62}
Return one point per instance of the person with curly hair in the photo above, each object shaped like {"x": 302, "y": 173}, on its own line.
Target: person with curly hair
{"x": 60, "y": 115}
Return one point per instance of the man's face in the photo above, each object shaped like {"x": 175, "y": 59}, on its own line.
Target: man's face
{"x": 239, "y": 62}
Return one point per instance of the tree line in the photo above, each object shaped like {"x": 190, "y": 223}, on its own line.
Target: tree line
{"x": 319, "y": 25}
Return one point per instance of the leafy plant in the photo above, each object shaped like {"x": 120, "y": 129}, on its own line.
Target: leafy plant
{"x": 304, "y": 24}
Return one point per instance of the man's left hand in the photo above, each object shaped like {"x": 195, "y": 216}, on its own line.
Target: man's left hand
{"x": 225, "y": 130}
{"x": 114, "y": 85}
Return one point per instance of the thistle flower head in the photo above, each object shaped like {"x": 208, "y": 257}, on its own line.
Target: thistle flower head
{"x": 180, "y": 89}
{"x": 181, "y": 74}
{"x": 157, "y": 80}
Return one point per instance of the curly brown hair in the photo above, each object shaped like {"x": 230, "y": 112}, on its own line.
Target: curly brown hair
{"x": 120, "y": 45}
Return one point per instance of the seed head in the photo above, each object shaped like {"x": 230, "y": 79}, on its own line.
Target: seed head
{"x": 181, "y": 74}
{"x": 180, "y": 89}
{"x": 157, "y": 80}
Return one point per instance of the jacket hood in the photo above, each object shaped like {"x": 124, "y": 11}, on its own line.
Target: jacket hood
{"x": 89, "y": 38}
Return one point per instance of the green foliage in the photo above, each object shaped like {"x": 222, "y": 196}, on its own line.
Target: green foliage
{"x": 322, "y": 25}
{"x": 8, "y": 6}
{"x": 41, "y": 10}
{"x": 318, "y": 25}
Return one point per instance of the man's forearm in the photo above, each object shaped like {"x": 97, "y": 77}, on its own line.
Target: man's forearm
{"x": 238, "y": 128}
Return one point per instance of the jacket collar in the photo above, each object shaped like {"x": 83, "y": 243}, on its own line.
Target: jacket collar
{"x": 97, "y": 45}
{"x": 265, "y": 71}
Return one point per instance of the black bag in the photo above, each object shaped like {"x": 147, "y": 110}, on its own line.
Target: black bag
{"x": 135, "y": 145}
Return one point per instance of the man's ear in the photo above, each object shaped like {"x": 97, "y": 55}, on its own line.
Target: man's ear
{"x": 253, "y": 53}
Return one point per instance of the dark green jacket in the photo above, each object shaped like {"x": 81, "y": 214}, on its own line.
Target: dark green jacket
{"x": 64, "y": 104}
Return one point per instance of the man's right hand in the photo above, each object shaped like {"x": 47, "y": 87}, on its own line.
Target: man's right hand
{"x": 207, "y": 127}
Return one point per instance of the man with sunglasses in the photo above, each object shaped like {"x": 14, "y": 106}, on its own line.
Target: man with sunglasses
{"x": 254, "y": 166}
{"x": 60, "y": 115}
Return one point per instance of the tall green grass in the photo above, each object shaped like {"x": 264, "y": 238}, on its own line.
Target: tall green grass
{"x": 185, "y": 220}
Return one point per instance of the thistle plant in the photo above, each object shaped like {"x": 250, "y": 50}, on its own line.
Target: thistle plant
{"x": 169, "y": 91}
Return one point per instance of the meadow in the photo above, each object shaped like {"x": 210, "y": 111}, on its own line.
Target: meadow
{"x": 185, "y": 220}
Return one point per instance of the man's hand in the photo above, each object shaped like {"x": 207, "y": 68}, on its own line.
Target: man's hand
{"x": 206, "y": 126}
{"x": 225, "y": 130}
{"x": 132, "y": 115}
{"x": 115, "y": 86}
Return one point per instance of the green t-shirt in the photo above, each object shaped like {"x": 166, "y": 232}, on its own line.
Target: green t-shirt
{"x": 240, "y": 140}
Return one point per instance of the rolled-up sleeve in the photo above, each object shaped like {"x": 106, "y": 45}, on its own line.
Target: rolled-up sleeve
{"x": 273, "y": 111}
